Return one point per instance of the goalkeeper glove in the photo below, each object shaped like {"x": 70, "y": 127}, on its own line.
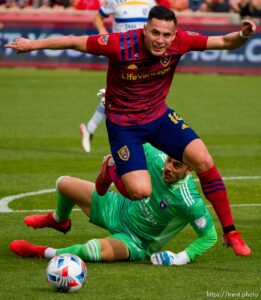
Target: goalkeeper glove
{"x": 167, "y": 258}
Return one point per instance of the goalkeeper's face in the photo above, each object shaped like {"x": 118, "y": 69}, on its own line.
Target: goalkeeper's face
{"x": 159, "y": 35}
{"x": 174, "y": 170}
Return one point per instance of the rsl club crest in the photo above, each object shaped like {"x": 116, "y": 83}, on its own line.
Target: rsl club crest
{"x": 103, "y": 39}
{"x": 124, "y": 153}
{"x": 165, "y": 60}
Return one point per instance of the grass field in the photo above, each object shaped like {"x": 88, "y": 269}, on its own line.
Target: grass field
{"x": 39, "y": 141}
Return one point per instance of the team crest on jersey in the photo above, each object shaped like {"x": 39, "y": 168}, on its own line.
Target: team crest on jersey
{"x": 201, "y": 222}
{"x": 163, "y": 204}
{"x": 192, "y": 33}
{"x": 124, "y": 153}
{"x": 165, "y": 60}
{"x": 103, "y": 39}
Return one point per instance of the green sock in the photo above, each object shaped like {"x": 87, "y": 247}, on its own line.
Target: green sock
{"x": 64, "y": 206}
{"x": 91, "y": 251}
{"x": 75, "y": 249}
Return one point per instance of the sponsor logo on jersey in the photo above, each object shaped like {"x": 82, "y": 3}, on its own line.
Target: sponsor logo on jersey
{"x": 163, "y": 204}
{"x": 141, "y": 76}
{"x": 124, "y": 153}
{"x": 148, "y": 214}
{"x": 103, "y": 39}
{"x": 192, "y": 33}
{"x": 201, "y": 222}
{"x": 132, "y": 67}
{"x": 165, "y": 60}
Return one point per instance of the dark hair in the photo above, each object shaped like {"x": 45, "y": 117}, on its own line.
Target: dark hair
{"x": 162, "y": 13}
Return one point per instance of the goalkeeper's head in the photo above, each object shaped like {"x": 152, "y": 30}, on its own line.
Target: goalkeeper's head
{"x": 174, "y": 170}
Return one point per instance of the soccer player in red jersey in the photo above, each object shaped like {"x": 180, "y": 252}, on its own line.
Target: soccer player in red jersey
{"x": 142, "y": 64}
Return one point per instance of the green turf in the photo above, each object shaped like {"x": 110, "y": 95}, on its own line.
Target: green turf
{"x": 39, "y": 141}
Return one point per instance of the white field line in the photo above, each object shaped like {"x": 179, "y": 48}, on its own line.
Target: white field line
{"x": 6, "y": 200}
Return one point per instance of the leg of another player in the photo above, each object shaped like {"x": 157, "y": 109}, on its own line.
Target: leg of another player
{"x": 96, "y": 118}
{"x": 134, "y": 185}
{"x": 107, "y": 249}
{"x": 197, "y": 156}
{"x": 88, "y": 130}
{"x": 113, "y": 250}
{"x": 137, "y": 184}
{"x": 77, "y": 191}
{"x": 69, "y": 191}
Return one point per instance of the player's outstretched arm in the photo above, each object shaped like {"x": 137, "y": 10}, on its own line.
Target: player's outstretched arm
{"x": 98, "y": 22}
{"x": 22, "y": 45}
{"x": 199, "y": 246}
{"x": 232, "y": 40}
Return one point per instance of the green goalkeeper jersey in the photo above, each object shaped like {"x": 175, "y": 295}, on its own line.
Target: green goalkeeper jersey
{"x": 157, "y": 219}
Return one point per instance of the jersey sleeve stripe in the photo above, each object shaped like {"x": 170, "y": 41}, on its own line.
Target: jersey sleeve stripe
{"x": 130, "y": 20}
{"x": 186, "y": 195}
{"x": 136, "y": 3}
{"x": 102, "y": 13}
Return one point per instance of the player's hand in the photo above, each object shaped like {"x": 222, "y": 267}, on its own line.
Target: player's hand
{"x": 168, "y": 258}
{"x": 248, "y": 27}
{"x": 21, "y": 45}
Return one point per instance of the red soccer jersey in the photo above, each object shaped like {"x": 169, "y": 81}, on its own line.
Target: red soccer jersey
{"x": 138, "y": 82}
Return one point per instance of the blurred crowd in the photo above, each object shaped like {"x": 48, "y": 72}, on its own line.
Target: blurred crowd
{"x": 245, "y": 8}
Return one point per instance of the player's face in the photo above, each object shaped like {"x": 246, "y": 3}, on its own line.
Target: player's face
{"x": 159, "y": 35}
{"x": 174, "y": 170}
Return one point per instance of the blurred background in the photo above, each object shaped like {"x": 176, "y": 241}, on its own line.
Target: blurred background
{"x": 44, "y": 18}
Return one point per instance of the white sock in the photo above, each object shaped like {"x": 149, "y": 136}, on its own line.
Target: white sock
{"x": 96, "y": 119}
{"x": 56, "y": 217}
{"x": 50, "y": 252}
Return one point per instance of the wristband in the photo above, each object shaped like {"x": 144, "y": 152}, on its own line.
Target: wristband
{"x": 241, "y": 34}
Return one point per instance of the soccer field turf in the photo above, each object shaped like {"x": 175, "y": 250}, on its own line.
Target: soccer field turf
{"x": 39, "y": 141}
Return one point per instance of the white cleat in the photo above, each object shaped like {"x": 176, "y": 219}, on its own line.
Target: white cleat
{"x": 86, "y": 138}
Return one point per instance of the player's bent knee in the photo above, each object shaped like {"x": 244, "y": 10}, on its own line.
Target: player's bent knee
{"x": 61, "y": 183}
{"x": 139, "y": 193}
{"x": 203, "y": 164}
{"x": 207, "y": 164}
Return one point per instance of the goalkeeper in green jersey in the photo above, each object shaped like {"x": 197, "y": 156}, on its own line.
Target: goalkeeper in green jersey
{"x": 139, "y": 229}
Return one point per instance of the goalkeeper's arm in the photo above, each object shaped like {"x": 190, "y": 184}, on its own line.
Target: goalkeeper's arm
{"x": 196, "y": 248}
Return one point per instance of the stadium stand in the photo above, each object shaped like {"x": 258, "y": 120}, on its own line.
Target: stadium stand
{"x": 40, "y": 22}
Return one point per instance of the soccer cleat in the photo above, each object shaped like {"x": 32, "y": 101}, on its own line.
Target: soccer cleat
{"x": 232, "y": 239}
{"x": 25, "y": 249}
{"x": 41, "y": 221}
{"x": 86, "y": 138}
{"x": 103, "y": 180}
